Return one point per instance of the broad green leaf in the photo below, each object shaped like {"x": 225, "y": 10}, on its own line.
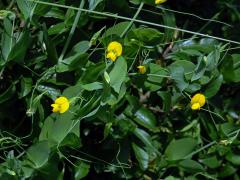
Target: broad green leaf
{"x": 179, "y": 149}
{"x": 19, "y": 50}
{"x": 93, "y": 86}
{"x": 57, "y": 29}
{"x": 146, "y": 36}
{"x": 73, "y": 62}
{"x": 118, "y": 74}
{"x": 227, "y": 170}
{"x": 155, "y": 77}
{"x": 211, "y": 162}
{"x": 92, "y": 73}
{"x": 80, "y": 48}
{"x": 26, "y": 8}
{"x": 117, "y": 29}
{"x": 141, "y": 155}
{"x": 39, "y": 153}
{"x": 213, "y": 87}
{"x": 57, "y": 126}
{"x": 233, "y": 158}
{"x": 177, "y": 74}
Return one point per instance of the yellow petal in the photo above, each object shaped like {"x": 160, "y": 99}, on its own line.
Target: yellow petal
{"x": 141, "y": 69}
{"x": 56, "y": 108}
{"x": 64, "y": 107}
{"x": 195, "y": 106}
{"x": 61, "y": 100}
{"x": 160, "y": 1}
{"x": 111, "y": 55}
{"x": 115, "y": 47}
{"x": 61, "y": 105}
{"x": 198, "y": 98}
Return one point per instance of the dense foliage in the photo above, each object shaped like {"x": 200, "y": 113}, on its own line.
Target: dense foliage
{"x": 117, "y": 89}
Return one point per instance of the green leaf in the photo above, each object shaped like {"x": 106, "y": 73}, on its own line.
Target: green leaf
{"x": 146, "y": 36}
{"x": 51, "y": 92}
{"x": 155, "y": 78}
{"x": 233, "y": 158}
{"x": 142, "y": 156}
{"x": 191, "y": 166}
{"x": 6, "y": 95}
{"x": 93, "y": 86}
{"x": 213, "y": 87}
{"x": 26, "y": 86}
{"x": 92, "y": 73}
{"x": 145, "y": 118}
{"x": 19, "y": 50}
{"x": 81, "y": 170}
{"x": 7, "y": 36}
{"x": 117, "y": 29}
{"x": 166, "y": 100}
{"x": 169, "y": 20}
{"x": 177, "y": 74}
{"x": 57, "y": 29}
{"x": 73, "y": 62}
{"x": 118, "y": 74}
{"x": 57, "y": 126}
{"x": 179, "y": 149}
{"x": 144, "y": 137}
{"x": 26, "y": 8}
{"x": 200, "y": 69}
{"x": 211, "y": 162}
{"x": 39, "y": 153}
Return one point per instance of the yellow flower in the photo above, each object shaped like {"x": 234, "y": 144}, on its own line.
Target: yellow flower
{"x": 60, "y": 105}
{"x": 141, "y": 69}
{"x": 114, "y": 50}
{"x": 159, "y": 1}
{"x": 197, "y": 101}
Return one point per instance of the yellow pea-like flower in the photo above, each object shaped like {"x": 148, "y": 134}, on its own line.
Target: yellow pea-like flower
{"x": 60, "y": 105}
{"x": 114, "y": 50}
{"x": 142, "y": 69}
{"x": 198, "y": 101}
{"x": 160, "y": 1}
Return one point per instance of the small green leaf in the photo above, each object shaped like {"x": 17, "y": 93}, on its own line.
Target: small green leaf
{"x": 142, "y": 156}
{"x": 118, "y": 74}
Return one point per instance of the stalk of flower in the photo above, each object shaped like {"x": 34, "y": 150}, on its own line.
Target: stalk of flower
{"x": 157, "y": 2}
{"x": 114, "y": 50}
{"x": 198, "y": 101}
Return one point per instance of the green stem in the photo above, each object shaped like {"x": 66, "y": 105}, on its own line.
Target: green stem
{"x": 133, "y": 19}
{"x": 139, "y": 21}
{"x": 72, "y": 30}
